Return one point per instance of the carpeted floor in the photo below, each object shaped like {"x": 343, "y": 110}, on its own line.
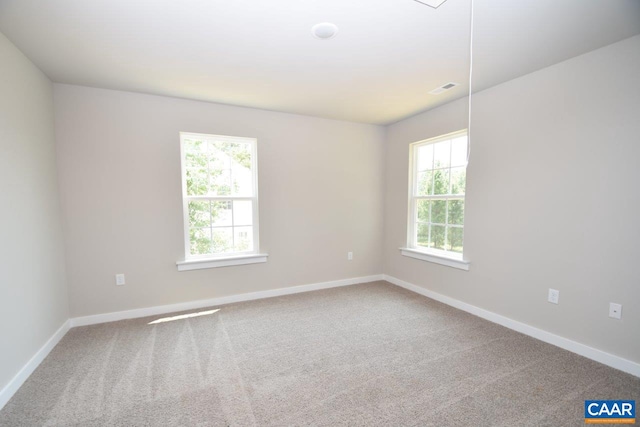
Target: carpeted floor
{"x": 370, "y": 354}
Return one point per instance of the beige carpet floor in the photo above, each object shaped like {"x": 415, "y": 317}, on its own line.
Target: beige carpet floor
{"x": 370, "y": 354}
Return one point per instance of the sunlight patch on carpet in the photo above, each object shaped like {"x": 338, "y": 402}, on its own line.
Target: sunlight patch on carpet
{"x": 183, "y": 316}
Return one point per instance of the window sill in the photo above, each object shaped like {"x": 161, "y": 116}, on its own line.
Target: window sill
{"x": 438, "y": 258}
{"x": 198, "y": 264}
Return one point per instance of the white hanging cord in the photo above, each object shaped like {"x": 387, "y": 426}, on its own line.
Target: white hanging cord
{"x": 470, "y": 82}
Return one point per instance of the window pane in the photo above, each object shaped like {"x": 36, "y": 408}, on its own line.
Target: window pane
{"x": 218, "y": 159}
{"x": 241, "y": 180}
{"x": 459, "y": 151}
{"x": 221, "y": 213}
{"x": 193, "y": 154}
{"x": 425, "y": 157}
{"x": 425, "y": 183}
{"x": 200, "y": 241}
{"x": 197, "y": 182}
{"x": 219, "y": 168}
{"x": 442, "y": 154}
{"x": 455, "y": 239}
{"x": 235, "y": 152}
{"x": 220, "y": 182}
{"x": 439, "y": 211}
{"x": 242, "y": 212}
{"x": 458, "y": 180}
{"x": 222, "y": 240}
{"x": 199, "y": 214}
{"x": 456, "y": 212}
{"x": 422, "y": 235}
{"x": 422, "y": 207}
{"x": 236, "y": 157}
{"x": 243, "y": 237}
{"x": 437, "y": 236}
{"x": 441, "y": 181}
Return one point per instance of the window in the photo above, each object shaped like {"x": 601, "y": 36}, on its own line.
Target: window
{"x": 436, "y": 202}
{"x": 220, "y": 199}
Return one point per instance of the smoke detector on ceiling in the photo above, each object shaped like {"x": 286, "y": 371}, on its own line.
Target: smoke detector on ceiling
{"x": 443, "y": 88}
{"x": 324, "y": 30}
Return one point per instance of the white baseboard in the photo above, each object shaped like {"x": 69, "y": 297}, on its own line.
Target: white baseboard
{"x": 192, "y": 305}
{"x": 608, "y": 359}
{"x": 10, "y": 389}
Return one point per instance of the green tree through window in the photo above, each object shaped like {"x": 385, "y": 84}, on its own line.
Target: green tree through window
{"x": 438, "y": 189}
{"x": 219, "y": 193}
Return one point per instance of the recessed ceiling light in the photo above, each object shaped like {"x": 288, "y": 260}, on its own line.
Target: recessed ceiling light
{"x": 324, "y": 31}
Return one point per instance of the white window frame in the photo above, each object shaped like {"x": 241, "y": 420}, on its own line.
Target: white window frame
{"x": 448, "y": 258}
{"x": 194, "y": 262}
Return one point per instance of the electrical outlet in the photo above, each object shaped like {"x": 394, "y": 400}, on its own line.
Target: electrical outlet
{"x": 554, "y": 296}
{"x": 350, "y": 256}
{"x": 615, "y": 310}
{"x": 120, "y": 279}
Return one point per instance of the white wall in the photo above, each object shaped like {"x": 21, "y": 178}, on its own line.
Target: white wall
{"x": 33, "y": 292}
{"x": 552, "y": 199}
{"x": 320, "y": 186}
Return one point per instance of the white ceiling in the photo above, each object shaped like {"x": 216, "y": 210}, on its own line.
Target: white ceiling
{"x": 387, "y": 55}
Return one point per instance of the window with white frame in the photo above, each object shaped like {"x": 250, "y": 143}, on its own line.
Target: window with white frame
{"x": 437, "y": 190}
{"x": 220, "y": 195}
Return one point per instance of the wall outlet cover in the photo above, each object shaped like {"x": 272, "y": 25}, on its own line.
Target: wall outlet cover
{"x": 615, "y": 310}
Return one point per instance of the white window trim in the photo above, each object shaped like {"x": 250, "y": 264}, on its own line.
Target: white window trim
{"x": 450, "y": 259}
{"x": 198, "y": 264}
{"x": 195, "y": 262}
{"x": 437, "y": 257}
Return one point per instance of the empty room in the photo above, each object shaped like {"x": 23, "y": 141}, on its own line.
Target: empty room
{"x": 303, "y": 212}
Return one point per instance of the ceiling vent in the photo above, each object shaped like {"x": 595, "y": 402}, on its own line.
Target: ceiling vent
{"x": 443, "y": 88}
